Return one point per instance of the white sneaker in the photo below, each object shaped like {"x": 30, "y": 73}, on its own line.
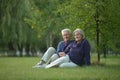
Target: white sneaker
{"x": 36, "y": 65}
{"x": 48, "y": 66}
{"x": 40, "y": 66}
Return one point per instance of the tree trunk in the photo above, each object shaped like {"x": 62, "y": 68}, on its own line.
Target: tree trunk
{"x": 47, "y": 41}
{"x": 51, "y": 39}
{"x": 97, "y": 32}
{"x": 97, "y": 39}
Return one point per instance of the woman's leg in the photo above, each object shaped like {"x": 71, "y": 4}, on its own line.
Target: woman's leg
{"x": 58, "y": 61}
{"x": 68, "y": 64}
{"x": 52, "y": 58}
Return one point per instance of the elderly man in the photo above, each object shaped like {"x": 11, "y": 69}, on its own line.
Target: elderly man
{"x": 51, "y": 54}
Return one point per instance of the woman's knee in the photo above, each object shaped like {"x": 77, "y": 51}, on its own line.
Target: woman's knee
{"x": 54, "y": 57}
{"x": 62, "y": 65}
{"x": 68, "y": 64}
{"x": 64, "y": 59}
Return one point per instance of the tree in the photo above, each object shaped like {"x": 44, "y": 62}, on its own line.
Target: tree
{"x": 93, "y": 17}
{"x": 46, "y": 20}
{"x": 13, "y": 27}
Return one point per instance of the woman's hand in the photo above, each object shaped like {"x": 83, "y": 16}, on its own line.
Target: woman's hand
{"x": 62, "y": 54}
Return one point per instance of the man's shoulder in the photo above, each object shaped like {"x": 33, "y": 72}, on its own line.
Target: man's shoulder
{"x": 61, "y": 42}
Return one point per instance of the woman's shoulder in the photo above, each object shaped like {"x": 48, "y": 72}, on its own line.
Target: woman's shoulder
{"x": 85, "y": 41}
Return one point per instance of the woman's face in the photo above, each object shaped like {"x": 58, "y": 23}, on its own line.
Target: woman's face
{"x": 78, "y": 37}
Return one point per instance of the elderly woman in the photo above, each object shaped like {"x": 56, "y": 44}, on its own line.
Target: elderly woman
{"x": 77, "y": 53}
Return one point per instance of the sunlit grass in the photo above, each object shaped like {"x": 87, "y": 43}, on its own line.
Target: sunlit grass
{"x": 16, "y": 68}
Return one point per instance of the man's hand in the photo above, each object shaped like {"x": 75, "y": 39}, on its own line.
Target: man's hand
{"x": 62, "y": 54}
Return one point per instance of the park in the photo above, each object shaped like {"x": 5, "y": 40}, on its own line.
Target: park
{"x": 29, "y": 27}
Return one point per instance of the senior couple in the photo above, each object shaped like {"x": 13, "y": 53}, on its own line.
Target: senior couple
{"x": 69, "y": 53}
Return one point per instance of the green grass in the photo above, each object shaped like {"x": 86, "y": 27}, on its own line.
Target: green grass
{"x": 16, "y": 68}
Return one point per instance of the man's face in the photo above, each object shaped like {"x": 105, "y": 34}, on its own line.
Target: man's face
{"x": 66, "y": 36}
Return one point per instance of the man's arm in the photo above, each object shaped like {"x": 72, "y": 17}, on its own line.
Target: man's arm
{"x": 59, "y": 47}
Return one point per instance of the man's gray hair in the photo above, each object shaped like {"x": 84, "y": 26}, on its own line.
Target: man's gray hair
{"x": 66, "y": 30}
{"x": 80, "y": 31}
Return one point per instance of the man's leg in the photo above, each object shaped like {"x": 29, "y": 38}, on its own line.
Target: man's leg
{"x": 48, "y": 54}
{"x": 58, "y": 61}
{"x": 45, "y": 57}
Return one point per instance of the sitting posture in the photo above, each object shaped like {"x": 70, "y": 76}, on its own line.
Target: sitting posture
{"x": 77, "y": 53}
{"x": 51, "y": 54}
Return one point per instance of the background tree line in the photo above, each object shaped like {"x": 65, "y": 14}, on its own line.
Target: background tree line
{"x": 33, "y": 25}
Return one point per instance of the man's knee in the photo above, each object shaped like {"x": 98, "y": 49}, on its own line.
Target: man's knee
{"x": 51, "y": 48}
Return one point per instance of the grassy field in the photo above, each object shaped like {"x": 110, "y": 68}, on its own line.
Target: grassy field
{"x": 16, "y": 68}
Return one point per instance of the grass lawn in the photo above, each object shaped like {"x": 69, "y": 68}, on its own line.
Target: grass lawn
{"x": 20, "y": 68}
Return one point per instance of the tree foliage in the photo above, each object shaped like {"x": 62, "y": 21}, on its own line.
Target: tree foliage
{"x": 36, "y": 24}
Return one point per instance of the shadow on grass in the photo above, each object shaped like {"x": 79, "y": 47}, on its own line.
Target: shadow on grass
{"x": 107, "y": 66}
